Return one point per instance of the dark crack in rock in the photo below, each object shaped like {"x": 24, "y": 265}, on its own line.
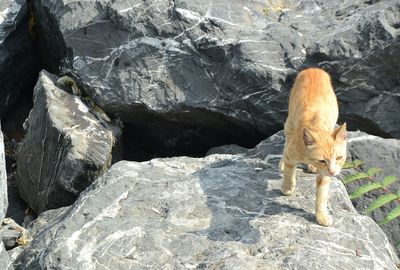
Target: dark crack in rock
{"x": 19, "y": 63}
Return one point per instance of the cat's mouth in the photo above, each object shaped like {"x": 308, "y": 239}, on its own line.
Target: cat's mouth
{"x": 330, "y": 173}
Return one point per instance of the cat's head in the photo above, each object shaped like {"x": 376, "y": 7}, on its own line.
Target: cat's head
{"x": 326, "y": 151}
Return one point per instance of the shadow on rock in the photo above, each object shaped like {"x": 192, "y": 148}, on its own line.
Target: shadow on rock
{"x": 237, "y": 193}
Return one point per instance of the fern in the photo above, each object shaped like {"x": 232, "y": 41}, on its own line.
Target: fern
{"x": 381, "y": 201}
{"x": 373, "y": 184}
{"x": 391, "y": 216}
{"x": 364, "y": 189}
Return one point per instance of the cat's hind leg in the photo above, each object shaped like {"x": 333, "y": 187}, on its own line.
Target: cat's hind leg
{"x": 281, "y": 162}
{"x": 281, "y": 165}
{"x": 289, "y": 177}
{"x": 321, "y": 203}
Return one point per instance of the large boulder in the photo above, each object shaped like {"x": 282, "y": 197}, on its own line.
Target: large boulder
{"x": 384, "y": 154}
{"x": 221, "y": 211}
{"x": 67, "y": 145}
{"x": 191, "y": 61}
{"x": 19, "y": 64}
{"x": 361, "y": 54}
{"x": 372, "y": 150}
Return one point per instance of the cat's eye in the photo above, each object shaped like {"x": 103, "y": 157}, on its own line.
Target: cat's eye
{"x": 322, "y": 161}
{"x": 339, "y": 158}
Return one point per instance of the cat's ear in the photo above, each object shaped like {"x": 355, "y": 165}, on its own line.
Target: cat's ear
{"x": 308, "y": 138}
{"x": 340, "y": 133}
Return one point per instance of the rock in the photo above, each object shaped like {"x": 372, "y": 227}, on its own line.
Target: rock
{"x": 17, "y": 237}
{"x": 44, "y": 219}
{"x": 17, "y": 208}
{"x": 269, "y": 150}
{"x": 3, "y": 179}
{"x": 19, "y": 64}
{"x": 13, "y": 235}
{"x": 5, "y": 262}
{"x": 188, "y": 61}
{"x": 372, "y": 150}
{"x": 66, "y": 147}
{"x": 362, "y": 56}
{"x": 384, "y": 154}
{"x": 221, "y": 211}
{"x": 167, "y": 63}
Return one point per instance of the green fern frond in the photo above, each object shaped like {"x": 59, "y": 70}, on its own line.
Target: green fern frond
{"x": 373, "y": 171}
{"x": 352, "y": 164}
{"x": 364, "y": 189}
{"x": 348, "y": 165}
{"x": 388, "y": 180}
{"x": 373, "y": 184}
{"x": 354, "y": 177}
{"x": 380, "y": 201}
{"x": 392, "y": 215}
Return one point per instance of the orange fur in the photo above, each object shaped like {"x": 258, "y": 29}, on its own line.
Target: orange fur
{"x": 311, "y": 137}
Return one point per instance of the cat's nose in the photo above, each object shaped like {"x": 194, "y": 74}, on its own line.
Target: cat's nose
{"x": 332, "y": 172}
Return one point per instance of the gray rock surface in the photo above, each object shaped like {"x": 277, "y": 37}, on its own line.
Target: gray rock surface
{"x": 12, "y": 234}
{"x": 381, "y": 153}
{"x": 19, "y": 63}
{"x": 218, "y": 212}
{"x": 268, "y": 149}
{"x": 5, "y": 262}
{"x": 372, "y": 150}
{"x": 361, "y": 54}
{"x": 3, "y": 179}
{"x": 66, "y": 147}
{"x": 185, "y": 60}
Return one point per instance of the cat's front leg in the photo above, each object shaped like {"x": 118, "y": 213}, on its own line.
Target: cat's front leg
{"x": 321, "y": 204}
{"x": 289, "y": 177}
{"x": 311, "y": 168}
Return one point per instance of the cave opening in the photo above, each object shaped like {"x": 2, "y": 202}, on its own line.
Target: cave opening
{"x": 187, "y": 133}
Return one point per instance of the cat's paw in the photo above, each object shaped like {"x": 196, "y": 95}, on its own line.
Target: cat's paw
{"x": 324, "y": 219}
{"x": 287, "y": 190}
{"x": 312, "y": 168}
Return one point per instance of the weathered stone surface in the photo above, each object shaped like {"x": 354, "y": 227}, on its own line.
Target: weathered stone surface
{"x": 270, "y": 148}
{"x": 5, "y": 262}
{"x": 18, "y": 236}
{"x": 12, "y": 234}
{"x": 372, "y": 150}
{"x": 384, "y": 154}
{"x": 19, "y": 64}
{"x": 177, "y": 58}
{"x": 362, "y": 55}
{"x": 66, "y": 147}
{"x": 3, "y": 179}
{"x": 222, "y": 211}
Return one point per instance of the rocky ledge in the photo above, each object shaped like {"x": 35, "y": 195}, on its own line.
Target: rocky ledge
{"x": 218, "y": 212}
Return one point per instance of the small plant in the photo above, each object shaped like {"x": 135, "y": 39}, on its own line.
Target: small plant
{"x": 373, "y": 184}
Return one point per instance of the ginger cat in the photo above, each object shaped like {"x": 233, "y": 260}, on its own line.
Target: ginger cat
{"x": 311, "y": 137}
